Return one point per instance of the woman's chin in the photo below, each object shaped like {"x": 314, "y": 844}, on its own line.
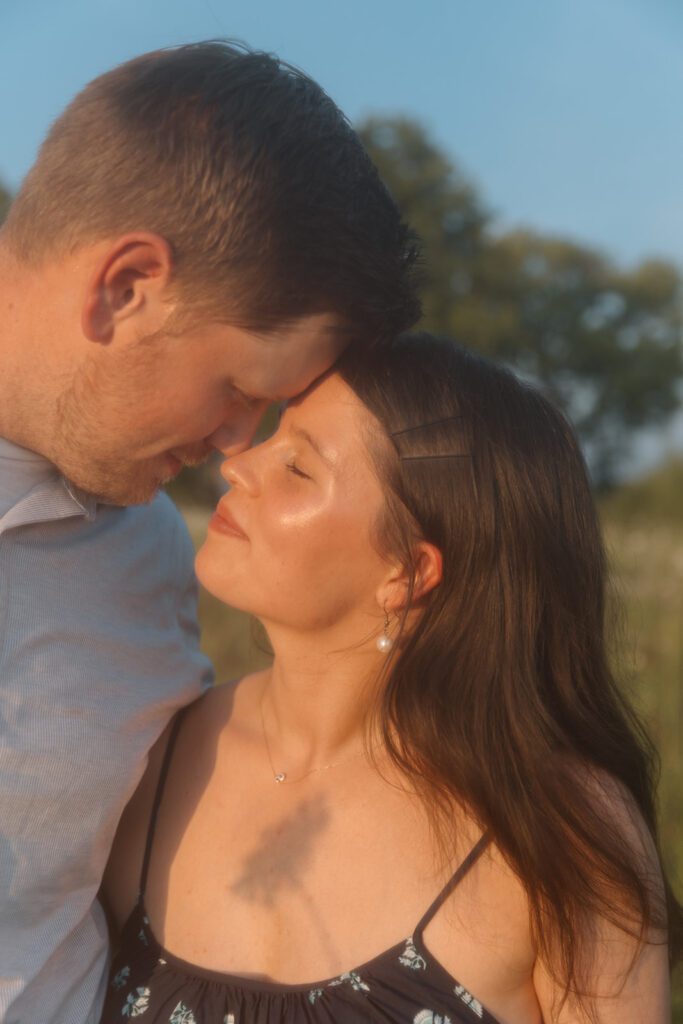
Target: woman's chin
{"x": 214, "y": 579}
{"x": 212, "y": 576}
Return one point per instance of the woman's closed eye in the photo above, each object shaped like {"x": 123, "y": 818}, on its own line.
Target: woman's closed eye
{"x": 293, "y": 468}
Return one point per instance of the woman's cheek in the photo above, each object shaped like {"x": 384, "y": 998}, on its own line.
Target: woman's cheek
{"x": 297, "y": 515}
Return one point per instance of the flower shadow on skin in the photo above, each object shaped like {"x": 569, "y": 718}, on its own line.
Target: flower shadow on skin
{"x": 281, "y": 860}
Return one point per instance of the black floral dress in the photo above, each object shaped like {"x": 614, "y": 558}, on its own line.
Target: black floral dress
{"x": 403, "y": 985}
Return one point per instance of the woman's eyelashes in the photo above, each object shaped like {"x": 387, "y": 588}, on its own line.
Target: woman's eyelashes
{"x": 293, "y": 468}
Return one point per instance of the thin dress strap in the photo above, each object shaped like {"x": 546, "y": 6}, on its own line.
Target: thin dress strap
{"x": 471, "y": 858}
{"x": 157, "y": 801}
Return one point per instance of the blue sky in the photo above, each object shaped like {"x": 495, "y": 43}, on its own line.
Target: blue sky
{"x": 566, "y": 113}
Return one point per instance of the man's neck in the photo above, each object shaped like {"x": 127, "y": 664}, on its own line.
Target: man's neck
{"x": 24, "y": 355}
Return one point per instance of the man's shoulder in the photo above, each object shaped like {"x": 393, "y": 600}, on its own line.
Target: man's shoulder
{"x": 159, "y": 514}
{"x": 140, "y": 535}
{"x": 158, "y": 521}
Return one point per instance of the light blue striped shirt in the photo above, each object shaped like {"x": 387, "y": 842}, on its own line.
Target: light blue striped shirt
{"x": 98, "y": 648}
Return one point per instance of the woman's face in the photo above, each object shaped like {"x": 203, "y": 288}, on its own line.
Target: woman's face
{"x": 292, "y": 541}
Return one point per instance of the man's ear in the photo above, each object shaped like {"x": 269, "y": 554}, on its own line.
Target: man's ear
{"x": 129, "y": 279}
{"x": 428, "y": 561}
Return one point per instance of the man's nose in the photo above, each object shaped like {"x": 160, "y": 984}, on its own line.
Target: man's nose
{"x": 236, "y": 433}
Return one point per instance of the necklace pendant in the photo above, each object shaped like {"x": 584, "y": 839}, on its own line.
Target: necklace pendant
{"x": 280, "y": 777}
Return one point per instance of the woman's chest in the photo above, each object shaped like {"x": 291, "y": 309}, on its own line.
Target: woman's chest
{"x": 310, "y": 886}
{"x": 291, "y": 885}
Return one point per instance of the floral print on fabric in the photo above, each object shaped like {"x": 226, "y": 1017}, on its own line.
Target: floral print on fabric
{"x": 136, "y": 1004}
{"x": 119, "y": 980}
{"x": 469, "y": 1000}
{"x": 352, "y": 979}
{"x": 411, "y": 958}
{"x": 182, "y": 1015}
{"x": 403, "y": 985}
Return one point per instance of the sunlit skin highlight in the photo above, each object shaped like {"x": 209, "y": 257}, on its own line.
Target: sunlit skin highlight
{"x": 295, "y": 542}
{"x": 131, "y": 420}
{"x": 111, "y": 381}
{"x": 306, "y": 501}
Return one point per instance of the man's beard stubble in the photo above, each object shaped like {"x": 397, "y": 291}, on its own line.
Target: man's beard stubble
{"x": 80, "y": 449}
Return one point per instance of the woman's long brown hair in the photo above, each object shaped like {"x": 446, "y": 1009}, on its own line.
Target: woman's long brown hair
{"x": 502, "y": 702}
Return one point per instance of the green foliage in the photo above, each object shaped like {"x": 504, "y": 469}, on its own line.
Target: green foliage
{"x": 677, "y": 993}
{"x": 656, "y": 497}
{"x": 5, "y": 199}
{"x": 643, "y": 523}
{"x": 646, "y": 559}
{"x": 604, "y": 343}
{"x": 440, "y": 205}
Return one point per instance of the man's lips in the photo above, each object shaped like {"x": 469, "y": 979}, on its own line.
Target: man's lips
{"x": 222, "y": 522}
{"x": 173, "y": 463}
{"x": 193, "y": 456}
{"x": 177, "y": 460}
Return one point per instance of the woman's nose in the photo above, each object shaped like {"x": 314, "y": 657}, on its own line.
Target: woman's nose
{"x": 239, "y": 472}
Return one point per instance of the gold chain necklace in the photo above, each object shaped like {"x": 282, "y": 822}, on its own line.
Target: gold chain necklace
{"x": 281, "y": 777}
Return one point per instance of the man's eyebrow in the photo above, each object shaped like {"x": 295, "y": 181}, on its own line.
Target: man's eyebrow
{"x": 304, "y": 435}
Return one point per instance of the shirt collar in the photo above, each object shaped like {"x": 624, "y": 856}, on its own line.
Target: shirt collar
{"x": 50, "y": 500}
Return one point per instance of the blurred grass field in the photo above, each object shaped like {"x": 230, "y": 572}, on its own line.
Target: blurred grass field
{"x": 643, "y": 526}
{"x": 648, "y": 579}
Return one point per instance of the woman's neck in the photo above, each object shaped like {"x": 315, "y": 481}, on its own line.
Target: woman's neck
{"x": 316, "y": 698}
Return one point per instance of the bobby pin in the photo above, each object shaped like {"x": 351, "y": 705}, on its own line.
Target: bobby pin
{"x": 414, "y": 458}
{"x": 424, "y": 426}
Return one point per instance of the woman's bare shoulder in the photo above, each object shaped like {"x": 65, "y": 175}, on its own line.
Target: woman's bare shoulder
{"x": 203, "y": 719}
{"x": 122, "y": 875}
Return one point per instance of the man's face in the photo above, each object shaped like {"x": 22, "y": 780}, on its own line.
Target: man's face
{"x": 132, "y": 417}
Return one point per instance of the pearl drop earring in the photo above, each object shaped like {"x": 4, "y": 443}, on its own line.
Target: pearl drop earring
{"x": 384, "y": 642}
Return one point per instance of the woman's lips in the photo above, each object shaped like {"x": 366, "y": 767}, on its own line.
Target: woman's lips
{"x": 222, "y": 522}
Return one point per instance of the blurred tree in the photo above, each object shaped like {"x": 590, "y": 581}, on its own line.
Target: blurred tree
{"x": 4, "y": 202}
{"x": 441, "y": 205}
{"x": 604, "y": 343}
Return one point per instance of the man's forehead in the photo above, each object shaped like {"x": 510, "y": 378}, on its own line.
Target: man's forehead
{"x": 313, "y": 327}
{"x": 288, "y": 361}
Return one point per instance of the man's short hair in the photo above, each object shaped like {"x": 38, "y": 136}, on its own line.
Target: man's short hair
{"x": 270, "y": 203}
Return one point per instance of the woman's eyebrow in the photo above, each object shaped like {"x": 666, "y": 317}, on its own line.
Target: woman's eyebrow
{"x": 304, "y": 435}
